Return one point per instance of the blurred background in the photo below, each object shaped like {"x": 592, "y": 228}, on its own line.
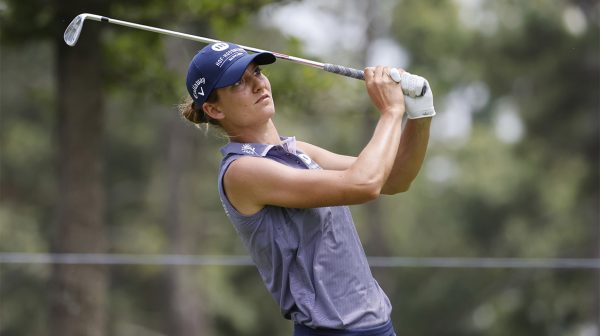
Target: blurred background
{"x": 110, "y": 222}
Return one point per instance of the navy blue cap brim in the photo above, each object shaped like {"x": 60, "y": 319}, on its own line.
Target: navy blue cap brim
{"x": 237, "y": 69}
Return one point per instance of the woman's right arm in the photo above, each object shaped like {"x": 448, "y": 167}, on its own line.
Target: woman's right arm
{"x": 253, "y": 182}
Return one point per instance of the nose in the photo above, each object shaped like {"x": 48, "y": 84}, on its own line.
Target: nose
{"x": 258, "y": 83}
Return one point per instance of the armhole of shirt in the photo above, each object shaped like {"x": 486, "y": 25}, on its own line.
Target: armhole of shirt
{"x": 223, "y": 194}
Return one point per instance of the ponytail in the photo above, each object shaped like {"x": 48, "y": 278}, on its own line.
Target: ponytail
{"x": 195, "y": 114}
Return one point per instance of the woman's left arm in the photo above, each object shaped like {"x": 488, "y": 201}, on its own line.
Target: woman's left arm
{"x": 408, "y": 162}
{"x": 326, "y": 159}
{"x": 411, "y": 153}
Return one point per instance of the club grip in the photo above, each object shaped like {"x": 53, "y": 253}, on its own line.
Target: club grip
{"x": 344, "y": 71}
{"x": 359, "y": 74}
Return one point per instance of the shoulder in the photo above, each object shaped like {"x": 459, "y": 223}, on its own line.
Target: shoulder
{"x": 251, "y": 182}
{"x": 252, "y": 171}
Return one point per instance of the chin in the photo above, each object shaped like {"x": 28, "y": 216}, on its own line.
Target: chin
{"x": 270, "y": 110}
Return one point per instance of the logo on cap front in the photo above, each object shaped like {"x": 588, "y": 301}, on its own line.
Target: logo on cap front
{"x": 220, "y": 46}
{"x": 229, "y": 56}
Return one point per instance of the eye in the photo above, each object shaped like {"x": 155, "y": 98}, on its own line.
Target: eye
{"x": 238, "y": 83}
{"x": 257, "y": 71}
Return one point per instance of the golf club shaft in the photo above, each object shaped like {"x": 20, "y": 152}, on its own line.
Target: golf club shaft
{"x": 337, "y": 69}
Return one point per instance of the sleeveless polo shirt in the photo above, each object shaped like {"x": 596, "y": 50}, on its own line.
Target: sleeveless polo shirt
{"x": 311, "y": 260}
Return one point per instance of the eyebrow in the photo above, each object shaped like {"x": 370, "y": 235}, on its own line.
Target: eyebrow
{"x": 252, "y": 67}
{"x": 250, "y": 70}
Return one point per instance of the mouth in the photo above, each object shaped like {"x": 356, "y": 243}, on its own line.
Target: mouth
{"x": 262, "y": 98}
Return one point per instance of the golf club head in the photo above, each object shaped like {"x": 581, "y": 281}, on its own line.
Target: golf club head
{"x": 74, "y": 30}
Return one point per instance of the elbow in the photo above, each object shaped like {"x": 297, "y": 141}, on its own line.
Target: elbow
{"x": 396, "y": 189}
{"x": 372, "y": 193}
{"x": 402, "y": 188}
{"x": 364, "y": 188}
{"x": 369, "y": 191}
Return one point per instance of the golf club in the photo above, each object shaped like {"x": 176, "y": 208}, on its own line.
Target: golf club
{"x": 412, "y": 85}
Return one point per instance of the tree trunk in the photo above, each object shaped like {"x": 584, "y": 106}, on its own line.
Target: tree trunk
{"x": 186, "y": 316}
{"x": 78, "y": 295}
{"x": 184, "y": 309}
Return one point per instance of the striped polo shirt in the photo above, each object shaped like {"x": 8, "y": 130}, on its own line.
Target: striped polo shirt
{"x": 311, "y": 260}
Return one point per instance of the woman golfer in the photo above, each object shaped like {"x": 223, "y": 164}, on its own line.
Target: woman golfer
{"x": 287, "y": 199}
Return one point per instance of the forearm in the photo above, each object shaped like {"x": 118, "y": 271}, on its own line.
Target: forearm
{"x": 374, "y": 164}
{"x": 409, "y": 157}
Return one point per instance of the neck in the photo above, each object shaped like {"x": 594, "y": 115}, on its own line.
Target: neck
{"x": 265, "y": 134}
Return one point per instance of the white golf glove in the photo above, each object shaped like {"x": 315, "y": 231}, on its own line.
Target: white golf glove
{"x": 412, "y": 85}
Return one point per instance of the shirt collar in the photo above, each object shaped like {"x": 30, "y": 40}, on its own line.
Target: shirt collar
{"x": 258, "y": 149}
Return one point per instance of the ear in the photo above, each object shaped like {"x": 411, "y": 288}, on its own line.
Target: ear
{"x": 213, "y": 111}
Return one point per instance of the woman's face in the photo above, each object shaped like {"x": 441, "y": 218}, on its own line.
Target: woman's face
{"x": 247, "y": 102}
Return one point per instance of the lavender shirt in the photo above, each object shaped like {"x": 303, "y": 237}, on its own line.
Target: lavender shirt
{"x": 311, "y": 260}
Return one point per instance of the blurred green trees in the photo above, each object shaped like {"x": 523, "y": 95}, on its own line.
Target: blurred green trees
{"x": 512, "y": 169}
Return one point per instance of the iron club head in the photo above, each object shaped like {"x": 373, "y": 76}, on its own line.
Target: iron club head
{"x": 74, "y": 29}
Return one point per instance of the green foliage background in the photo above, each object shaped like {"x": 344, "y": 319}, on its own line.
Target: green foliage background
{"x": 533, "y": 198}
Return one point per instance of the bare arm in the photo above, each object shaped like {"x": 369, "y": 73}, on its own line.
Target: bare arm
{"x": 252, "y": 183}
{"x": 411, "y": 154}
{"x": 325, "y": 158}
{"x": 407, "y": 164}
